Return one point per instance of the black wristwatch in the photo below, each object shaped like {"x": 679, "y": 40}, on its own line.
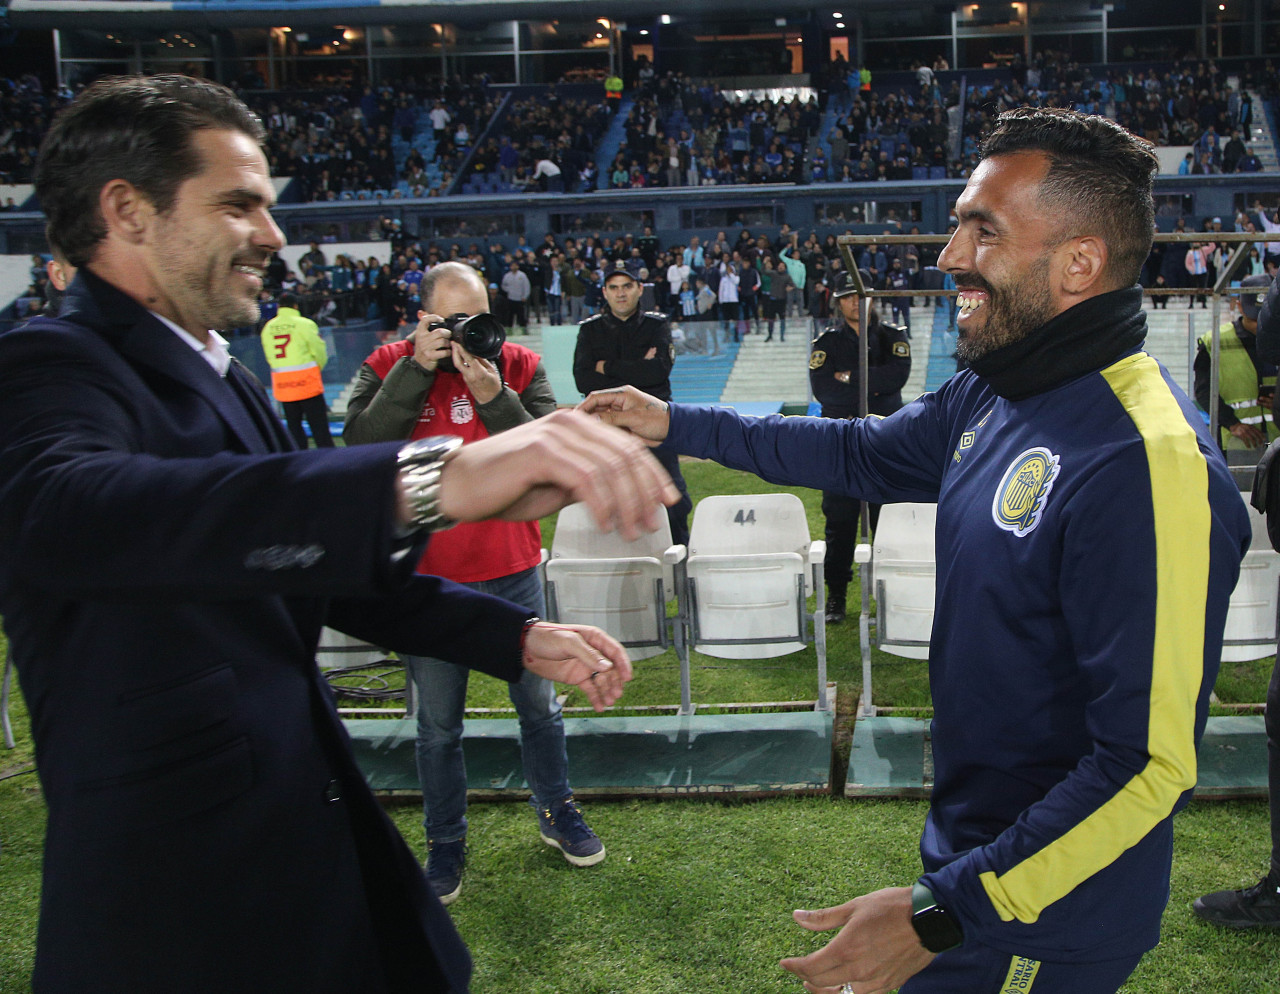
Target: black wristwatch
{"x": 937, "y": 929}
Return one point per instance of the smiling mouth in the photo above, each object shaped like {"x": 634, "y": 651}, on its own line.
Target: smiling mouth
{"x": 968, "y": 302}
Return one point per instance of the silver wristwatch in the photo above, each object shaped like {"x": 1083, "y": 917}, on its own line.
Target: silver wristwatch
{"x": 420, "y": 463}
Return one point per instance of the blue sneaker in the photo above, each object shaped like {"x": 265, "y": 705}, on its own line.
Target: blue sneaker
{"x": 563, "y": 828}
{"x": 445, "y": 861}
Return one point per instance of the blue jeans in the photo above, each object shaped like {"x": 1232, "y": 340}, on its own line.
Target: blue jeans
{"x": 442, "y": 695}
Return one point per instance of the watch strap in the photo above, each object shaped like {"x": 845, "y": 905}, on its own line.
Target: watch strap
{"x": 937, "y": 929}
{"x": 420, "y": 463}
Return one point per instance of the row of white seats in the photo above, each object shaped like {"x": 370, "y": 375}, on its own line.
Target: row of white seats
{"x": 902, "y": 565}
{"x": 740, "y": 587}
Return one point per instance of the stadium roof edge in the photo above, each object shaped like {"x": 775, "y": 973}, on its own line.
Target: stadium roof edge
{"x": 108, "y": 14}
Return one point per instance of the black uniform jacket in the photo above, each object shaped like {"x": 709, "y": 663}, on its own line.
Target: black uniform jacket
{"x": 888, "y": 366}
{"x": 623, "y": 346}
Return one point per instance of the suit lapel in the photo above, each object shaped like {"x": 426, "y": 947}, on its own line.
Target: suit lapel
{"x": 251, "y": 392}
{"x": 145, "y": 340}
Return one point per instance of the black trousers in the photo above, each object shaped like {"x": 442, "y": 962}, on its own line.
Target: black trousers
{"x": 1199, "y": 282}
{"x": 841, "y": 512}
{"x": 677, "y": 513}
{"x": 1273, "y": 761}
{"x": 317, "y": 415}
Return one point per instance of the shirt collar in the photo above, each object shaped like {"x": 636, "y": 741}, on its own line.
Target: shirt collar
{"x": 214, "y": 351}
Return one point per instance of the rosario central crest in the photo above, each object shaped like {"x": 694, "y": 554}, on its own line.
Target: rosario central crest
{"x": 1024, "y": 491}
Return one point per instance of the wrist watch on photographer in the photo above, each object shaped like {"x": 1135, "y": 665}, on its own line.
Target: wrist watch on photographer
{"x": 937, "y": 929}
{"x": 420, "y": 463}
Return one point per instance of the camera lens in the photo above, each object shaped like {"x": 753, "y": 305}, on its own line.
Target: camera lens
{"x": 481, "y": 334}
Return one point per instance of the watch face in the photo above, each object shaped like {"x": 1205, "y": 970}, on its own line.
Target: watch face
{"x": 938, "y": 932}
{"x": 423, "y": 449}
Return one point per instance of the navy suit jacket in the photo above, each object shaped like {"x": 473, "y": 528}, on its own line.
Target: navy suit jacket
{"x": 166, "y": 564}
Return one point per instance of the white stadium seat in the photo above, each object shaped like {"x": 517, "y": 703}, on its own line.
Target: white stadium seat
{"x": 598, "y": 578}
{"x": 751, "y": 565}
{"x": 902, "y": 559}
{"x": 1250, "y": 632}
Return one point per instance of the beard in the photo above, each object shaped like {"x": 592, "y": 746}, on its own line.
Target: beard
{"x": 207, "y": 283}
{"x": 1013, "y": 312}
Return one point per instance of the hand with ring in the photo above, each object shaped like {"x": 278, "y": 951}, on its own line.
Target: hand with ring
{"x": 587, "y": 657}
{"x": 482, "y": 377}
{"x": 430, "y": 344}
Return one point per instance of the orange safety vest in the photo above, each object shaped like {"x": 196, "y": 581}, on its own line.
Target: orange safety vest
{"x": 300, "y": 383}
{"x": 295, "y": 353}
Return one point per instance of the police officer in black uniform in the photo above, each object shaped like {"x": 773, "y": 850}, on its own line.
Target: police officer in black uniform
{"x": 833, "y": 373}
{"x": 624, "y": 345}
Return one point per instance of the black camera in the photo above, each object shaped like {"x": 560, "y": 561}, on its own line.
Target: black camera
{"x": 480, "y": 334}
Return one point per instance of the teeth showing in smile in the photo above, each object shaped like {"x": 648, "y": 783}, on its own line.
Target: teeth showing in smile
{"x": 250, "y": 271}
{"x": 968, "y": 305}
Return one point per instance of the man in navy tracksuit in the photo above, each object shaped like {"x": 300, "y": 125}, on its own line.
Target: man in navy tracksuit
{"x": 1089, "y": 536}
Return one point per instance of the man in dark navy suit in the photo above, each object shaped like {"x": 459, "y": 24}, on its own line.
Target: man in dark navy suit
{"x": 167, "y": 562}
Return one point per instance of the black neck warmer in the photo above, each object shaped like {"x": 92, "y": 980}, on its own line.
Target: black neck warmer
{"x": 1092, "y": 334}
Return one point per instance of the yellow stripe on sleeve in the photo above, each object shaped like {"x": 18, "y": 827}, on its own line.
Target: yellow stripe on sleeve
{"x": 1179, "y": 486}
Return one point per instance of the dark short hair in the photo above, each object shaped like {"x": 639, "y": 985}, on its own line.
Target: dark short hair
{"x": 288, "y": 300}
{"x": 1099, "y": 181}
{"x": 54, "y": 248}
{"x": 134, "y": 128}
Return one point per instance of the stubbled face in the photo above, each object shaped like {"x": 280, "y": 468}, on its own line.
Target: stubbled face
{"x": 1000, "y": 255}
{"x": 623, "y": 297}
{"x": 850, "y": 307}
{"x": 209, "y": 251}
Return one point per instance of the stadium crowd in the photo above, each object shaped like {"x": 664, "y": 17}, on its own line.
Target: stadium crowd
{"x": 886, "y": 134}
{"x": 340, "y": 144}
{"x": 1192, "y": 102}
{"x": 774, "y": 275}
{"x": 546, "y": 143}
{"x": 410, "y": 138}
{"x": 686, "y": 132}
